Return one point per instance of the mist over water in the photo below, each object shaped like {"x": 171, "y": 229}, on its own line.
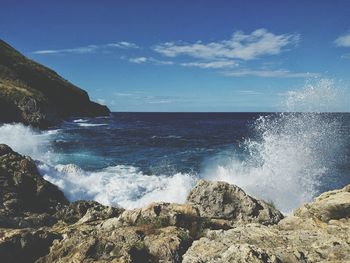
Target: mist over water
{"x": 131, "y": 160}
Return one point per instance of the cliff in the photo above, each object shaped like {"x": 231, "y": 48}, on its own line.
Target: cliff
{"x": 34, "y": 94}
{"x": 218, "y": 223}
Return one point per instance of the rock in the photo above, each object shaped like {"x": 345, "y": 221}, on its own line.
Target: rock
{"x": 330, "y": 205}
{"x": 124, "y": 244}
{"x": 220, "y": 200}
{"x": 86, "y": 212}
{"x": 304, "y": 237}
{"x": 160, "y": 215}
{"x": 26, "y": 199}
{"x": 25, "y": 245}
{"x": 33, "y": 94}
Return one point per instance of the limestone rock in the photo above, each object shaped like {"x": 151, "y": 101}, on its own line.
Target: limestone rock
{"x": 220, "y": 200}
{"x": 330, "y": 205}
{"x": 304, "y": 237}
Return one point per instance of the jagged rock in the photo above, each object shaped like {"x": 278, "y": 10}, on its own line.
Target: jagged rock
{"x": 162, "y": 215}
{"x": 87, "y": 212}
{"x": 123, "y": 244}
{"x": 330, "y": 205}
{"x": 25, "y": 245}
{"x": 293, "y": 239}
{"x": 220, "y": 200}
{"x": 33, "y": 94}
{"x": 26, "y": 199}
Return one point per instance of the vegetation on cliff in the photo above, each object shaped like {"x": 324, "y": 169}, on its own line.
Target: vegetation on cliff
{"x": 34, "y": 94}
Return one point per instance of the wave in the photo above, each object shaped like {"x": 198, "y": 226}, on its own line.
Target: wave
{"x": 27, "y": 141}
{"x": 291, "y": 154}
{"x": 91, "y": 124}
{"x": 119, "y": 185}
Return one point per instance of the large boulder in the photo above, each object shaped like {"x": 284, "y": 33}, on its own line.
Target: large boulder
{"x": 221, "y": 200}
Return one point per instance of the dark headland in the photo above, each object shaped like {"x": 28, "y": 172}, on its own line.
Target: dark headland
{"x": 35, "y": 95}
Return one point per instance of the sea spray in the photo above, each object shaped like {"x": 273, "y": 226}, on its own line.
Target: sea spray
{"x": 27, "y": 141}
{"x": 291, "y": 153}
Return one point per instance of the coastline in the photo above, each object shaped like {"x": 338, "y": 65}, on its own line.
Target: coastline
{"x": 218, "y": 223}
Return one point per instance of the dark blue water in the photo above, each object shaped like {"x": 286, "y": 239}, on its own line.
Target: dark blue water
{"x": 132, "y": 159}
{"x": 155, "y": 142}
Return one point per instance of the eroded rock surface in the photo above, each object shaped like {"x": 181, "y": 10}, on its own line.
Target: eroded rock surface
{"x": 221, "y": 200}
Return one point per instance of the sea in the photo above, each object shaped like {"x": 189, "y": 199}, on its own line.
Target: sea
{"x": 131, "y": 159}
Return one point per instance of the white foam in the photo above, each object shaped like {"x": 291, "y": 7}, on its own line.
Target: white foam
{"x": 91, "y": 124}
{"x": 26, "y": 140}
{"x": 119, "y": 185}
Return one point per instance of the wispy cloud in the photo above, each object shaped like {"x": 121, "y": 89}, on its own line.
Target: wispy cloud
{"x": 343, "y": 41}
{"x": 123, "y": 44}
{"x": 142, "y": 60}
{"x": 211, "y": 64}
{"x": 87, "y": 49}
{"x": 270, "y": 73}
{"x": 240, "y": 46}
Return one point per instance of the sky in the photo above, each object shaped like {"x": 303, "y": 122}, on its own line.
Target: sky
{"x": 186, "y": 55}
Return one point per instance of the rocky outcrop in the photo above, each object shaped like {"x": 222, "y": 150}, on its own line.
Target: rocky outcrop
{"x": 220, "y": 200}
{"x": 26, "y": 199}
{"x": 219, "y": 223}
{"x": 33, "y": 94}
{"x": 317, "y": 232}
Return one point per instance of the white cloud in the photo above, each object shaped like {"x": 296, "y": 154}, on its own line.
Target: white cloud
{"x": 142, "y": 60}
{"x": 138, "y": 60}
{"x": 343, "y": 41}
{"x": 123, "y": 44}
{"x": 211, "y": 64}
{"x": 77, "y": 50}
{"x": 240, "y": 46}
{"x": 270, "y": 73}
{"x": 87, "y": 49}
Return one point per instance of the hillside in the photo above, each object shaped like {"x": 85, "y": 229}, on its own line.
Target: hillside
{"x": 36, "y": 95}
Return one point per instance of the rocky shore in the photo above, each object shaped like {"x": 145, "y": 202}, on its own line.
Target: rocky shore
{"x": 35, "y": 95}
{"x": 218, "y": 223}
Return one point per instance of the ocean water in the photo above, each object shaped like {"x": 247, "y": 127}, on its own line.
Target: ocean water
{"x": 132, "y": 159}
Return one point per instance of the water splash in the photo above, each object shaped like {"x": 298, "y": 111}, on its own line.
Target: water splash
{"x": 292, "y": 152}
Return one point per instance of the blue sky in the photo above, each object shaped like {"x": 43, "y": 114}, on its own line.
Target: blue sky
{"x": 185, "y": 55}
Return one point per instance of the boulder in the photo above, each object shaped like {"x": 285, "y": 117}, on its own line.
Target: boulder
{"x": 221, "y": 200}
